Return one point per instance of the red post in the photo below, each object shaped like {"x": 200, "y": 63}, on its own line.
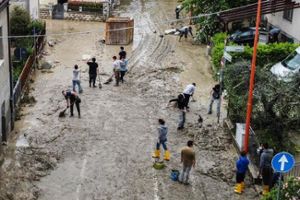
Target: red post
{"x": 252, "y": 76}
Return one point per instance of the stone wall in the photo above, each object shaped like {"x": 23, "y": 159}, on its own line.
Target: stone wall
{"x": 72, "y": 15}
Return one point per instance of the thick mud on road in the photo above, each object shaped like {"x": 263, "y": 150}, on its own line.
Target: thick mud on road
{"x": 106, "y": 154}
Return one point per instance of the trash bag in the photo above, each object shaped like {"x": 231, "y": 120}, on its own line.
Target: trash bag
{"x": 174, "y": 175}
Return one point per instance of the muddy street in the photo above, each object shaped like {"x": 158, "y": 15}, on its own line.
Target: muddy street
{"x": 106, "y": 154}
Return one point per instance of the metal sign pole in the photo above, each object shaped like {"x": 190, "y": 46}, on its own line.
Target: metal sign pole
{"x": 279, "y": 186}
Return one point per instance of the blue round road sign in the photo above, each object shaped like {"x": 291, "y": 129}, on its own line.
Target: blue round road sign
{"x": 283, "y": 162}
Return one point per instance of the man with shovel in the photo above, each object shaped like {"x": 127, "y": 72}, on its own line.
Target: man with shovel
{"x": 71, "y": 98}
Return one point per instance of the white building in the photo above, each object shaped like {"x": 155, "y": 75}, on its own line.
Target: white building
{"x": 32, "y": 6}
{"x": 288, "y": 22}
{"x": 5, "y": 72}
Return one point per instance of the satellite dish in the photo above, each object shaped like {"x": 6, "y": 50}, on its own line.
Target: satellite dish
{"x": 20, "y": 53}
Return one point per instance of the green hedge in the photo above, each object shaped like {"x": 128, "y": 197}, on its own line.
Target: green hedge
{"x": 266, "y": 54}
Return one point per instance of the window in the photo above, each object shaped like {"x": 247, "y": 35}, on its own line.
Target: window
{"x": 1, "y": 44}
{"x": 288, "y": 14}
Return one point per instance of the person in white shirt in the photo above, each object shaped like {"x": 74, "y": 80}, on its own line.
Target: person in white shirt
{"x": 188, "y": 92}
{"x": 116, "y": 69}
{"x": 123, "y": 68}
{"x": 76, "y": 79}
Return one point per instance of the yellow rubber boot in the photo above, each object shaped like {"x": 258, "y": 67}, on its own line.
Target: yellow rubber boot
{"x": 243, "y": 186}
{"x": 265, "y": 190}
{"x": 167, "y": 155}
{"x": 238, "y": 188}
{"x": 156, "y": 154}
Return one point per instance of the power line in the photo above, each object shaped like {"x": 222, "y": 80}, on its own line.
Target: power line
{"x": 120, "y": 29}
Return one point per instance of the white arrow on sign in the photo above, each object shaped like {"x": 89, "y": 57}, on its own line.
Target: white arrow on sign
{"x": 283, "y": 160}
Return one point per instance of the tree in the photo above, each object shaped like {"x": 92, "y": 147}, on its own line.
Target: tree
{"x": 209, "y": 25}
{"x": 19, "y": 21}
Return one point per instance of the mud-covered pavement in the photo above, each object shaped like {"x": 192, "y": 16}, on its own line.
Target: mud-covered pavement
{"x": 107, "y": 153}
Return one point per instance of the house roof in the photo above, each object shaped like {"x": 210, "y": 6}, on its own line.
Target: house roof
{"x": 267, "y": 6}
{"x": 3, "y": 4}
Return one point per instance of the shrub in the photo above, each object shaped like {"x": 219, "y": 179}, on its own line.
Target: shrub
{"x": 289, "y": 191}
{"x": 19, "y": 21}
{"x": 266, "y": 54}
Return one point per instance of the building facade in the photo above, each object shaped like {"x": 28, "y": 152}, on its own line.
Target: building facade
{"x": 5, "y": 72}
{"x": 32, "y": 6}
{"x": 288, "y": 22}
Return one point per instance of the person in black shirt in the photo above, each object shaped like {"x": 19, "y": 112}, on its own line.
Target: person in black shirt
{"x": 122, "y": 53}
{"x": 215, "y": 96}
{"x": 72, "y": 98}
{"x": 93, "y": 71}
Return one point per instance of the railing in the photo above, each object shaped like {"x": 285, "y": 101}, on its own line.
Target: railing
{"x": 23, "y": 78}
{"x": 295, "y": 171}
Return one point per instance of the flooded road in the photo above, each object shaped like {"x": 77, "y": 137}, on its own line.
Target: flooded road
{"x": 106, "y": 154}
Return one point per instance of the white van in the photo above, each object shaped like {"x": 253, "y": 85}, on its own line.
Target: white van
{"x": 288, "y": 67}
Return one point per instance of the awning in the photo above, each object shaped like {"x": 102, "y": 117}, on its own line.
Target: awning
{"x": 267, "y": 6}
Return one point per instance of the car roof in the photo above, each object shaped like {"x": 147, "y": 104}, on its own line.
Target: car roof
{"x": 298, "y": 50}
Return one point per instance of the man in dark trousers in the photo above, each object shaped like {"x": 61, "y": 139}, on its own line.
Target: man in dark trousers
{"x": 180, "y": 100}
{"x": 122, "y": 53}
{"x": 215, "y": 96}
{"x": 93, "y": 71}
{"x": 72, "y": 98}
{"x": 241, "y": 169}
{"x": 265, "y": 168}
{"x": 188, "y": 92}
{"x": 184, "y": 31}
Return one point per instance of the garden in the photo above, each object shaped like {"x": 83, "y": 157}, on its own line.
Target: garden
{"x": 22, "y": 25}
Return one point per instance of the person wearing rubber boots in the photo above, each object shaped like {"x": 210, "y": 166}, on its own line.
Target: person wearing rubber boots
{"x": 162, "y": 140}
{"x": 265, "y": 168}
{"x": 188, "y": 160}
{"x": 241, "y": 169}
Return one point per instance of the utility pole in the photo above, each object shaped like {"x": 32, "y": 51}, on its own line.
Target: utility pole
{"x": 252, "y": 76}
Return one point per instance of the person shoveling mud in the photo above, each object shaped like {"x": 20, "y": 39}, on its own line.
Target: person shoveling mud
{"x": 71, "y": 98}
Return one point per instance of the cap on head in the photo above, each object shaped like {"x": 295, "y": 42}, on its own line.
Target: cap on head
{"x": 243, "y": 153}
{"x": 190, "y": 143}
{"x": 266, "y": 145}
{"x": 161, "y": 121}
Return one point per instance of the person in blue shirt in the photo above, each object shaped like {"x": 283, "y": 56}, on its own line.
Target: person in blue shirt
{"x": 241, "y": 169}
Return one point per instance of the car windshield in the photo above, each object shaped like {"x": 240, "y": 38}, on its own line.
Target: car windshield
{"x": 292, "y": 62}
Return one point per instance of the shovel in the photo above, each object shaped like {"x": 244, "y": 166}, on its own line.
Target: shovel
{"x": 100, "y": 85}
{"x": 62, "y": 113}
{"x": 110, "y": 79}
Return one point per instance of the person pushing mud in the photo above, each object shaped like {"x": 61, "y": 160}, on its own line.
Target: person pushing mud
{"x": 72, "y": 98}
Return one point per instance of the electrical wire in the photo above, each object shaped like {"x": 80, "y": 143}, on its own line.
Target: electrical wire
{"x": 121, "y": 29}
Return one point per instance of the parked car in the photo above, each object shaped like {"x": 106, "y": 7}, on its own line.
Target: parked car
{"x": 245, "y": 35}
{"x": 288, "y": 67}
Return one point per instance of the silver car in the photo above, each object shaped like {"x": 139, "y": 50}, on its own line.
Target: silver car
{"x": 288, "y": 67}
